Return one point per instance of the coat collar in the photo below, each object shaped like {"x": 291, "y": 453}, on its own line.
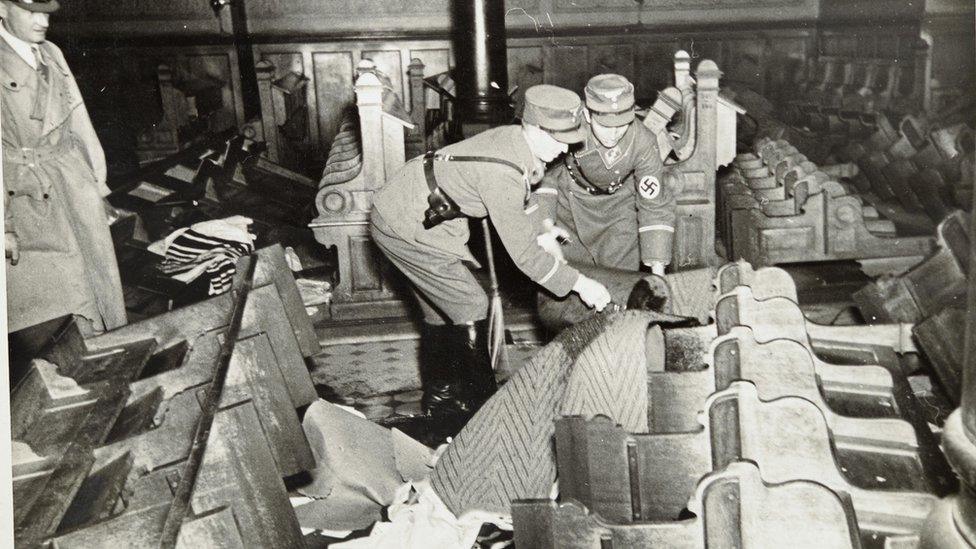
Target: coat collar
{"x": 10, "y": 59}
{"x": 20, "y": 47}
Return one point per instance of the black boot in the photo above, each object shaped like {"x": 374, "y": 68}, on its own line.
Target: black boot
{"x": 439, "y": 364}
{"x": 478, "y": 378}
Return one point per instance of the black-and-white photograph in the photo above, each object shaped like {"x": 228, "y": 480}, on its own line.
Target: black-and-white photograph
{"x": 488, "y": 274}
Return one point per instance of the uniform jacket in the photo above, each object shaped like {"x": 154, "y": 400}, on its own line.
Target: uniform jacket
{"x": 54, "y": 182}
{"x": 608, "y": 226}
{"x": 480, "y": 189}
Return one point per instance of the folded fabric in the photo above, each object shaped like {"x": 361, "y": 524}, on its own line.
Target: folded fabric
{"x": 209, "y": 247}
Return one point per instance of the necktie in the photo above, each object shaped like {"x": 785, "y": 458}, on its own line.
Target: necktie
{"x": 42, "y": 67}
{"x": 43, "y": 87}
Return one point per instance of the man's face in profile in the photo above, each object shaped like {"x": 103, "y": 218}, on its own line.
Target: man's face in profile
{"x": 27, "y": 25}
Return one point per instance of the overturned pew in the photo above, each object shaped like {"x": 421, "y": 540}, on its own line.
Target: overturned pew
{"x": 105, "y": 425}
{"x": 932, "y": 296}
{"x": 927, "y": 288}
{"x": 822, "y": 225}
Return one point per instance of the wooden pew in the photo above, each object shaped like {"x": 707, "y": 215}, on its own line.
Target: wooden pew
{"x": 728, "y": 507}
{"x": 106, "y": 422}
{"x": 707, "y": 143}
{"x": 761, "y": 224}
{"x": 365, "y": 284}
{"x": 191, "y": 107}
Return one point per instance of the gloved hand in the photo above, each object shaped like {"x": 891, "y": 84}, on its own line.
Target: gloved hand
{"x": 549, "y": 241}
{"x": 592, "y": 292}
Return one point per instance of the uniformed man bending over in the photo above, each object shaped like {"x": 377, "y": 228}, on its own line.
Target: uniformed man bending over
{"x": 418, "y": 221}
{"x": 612, "y": 193}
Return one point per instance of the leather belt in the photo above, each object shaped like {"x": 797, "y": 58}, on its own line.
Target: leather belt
{"x": 577, "y": 175}
{"x": 33, "y": 156}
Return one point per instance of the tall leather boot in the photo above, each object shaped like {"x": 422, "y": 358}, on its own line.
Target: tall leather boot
{"x": 439, "y": 379}
{"x": 478, "y": 378}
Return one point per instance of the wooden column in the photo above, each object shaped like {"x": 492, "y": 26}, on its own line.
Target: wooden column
{"x": 265, "y": 72}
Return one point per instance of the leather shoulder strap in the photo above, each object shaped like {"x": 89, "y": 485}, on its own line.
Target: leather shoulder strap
{"x": 488, "y": 159}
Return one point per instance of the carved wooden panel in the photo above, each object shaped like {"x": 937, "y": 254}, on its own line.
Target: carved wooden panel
{"x": 587, "y": 6}
{"x": 116, "y": 10}
{"x": 333, "y": 73}
{"x": 217, "y": 66}
{"x": 744, "y": 62}
{"x": 344, "y": 8}
{"x": 435, "y": 61}
{"x": 366, "y": 265}
{"x": 606, "y": 58}
{"x": 285, "y": 62}
{"x": 526, "y": 68}
{"x": 563, "y": 67}
{"x": 655, "y": 68}
{"x": 391, "y": 63}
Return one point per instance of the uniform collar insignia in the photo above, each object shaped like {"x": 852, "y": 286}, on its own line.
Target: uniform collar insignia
{"x": 613, "y": 155}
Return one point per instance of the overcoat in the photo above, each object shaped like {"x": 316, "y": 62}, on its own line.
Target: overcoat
{"x": 53, "y": 188}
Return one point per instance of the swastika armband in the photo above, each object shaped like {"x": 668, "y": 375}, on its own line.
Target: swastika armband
{"x": 649, "y": 187}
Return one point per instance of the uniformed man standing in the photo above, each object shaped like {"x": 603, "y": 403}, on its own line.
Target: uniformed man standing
{"x": 418, "y": 221}
{"x": 60, "y": 257}
{"x": 610, "y": 200}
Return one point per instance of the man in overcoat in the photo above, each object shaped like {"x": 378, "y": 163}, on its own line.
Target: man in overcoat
{"x": 60, "y": 256}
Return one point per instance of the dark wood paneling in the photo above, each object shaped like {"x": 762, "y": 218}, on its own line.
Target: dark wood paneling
{"x": 565, "y": 66}
{"x": 526, "y": 68}
{"x": 391, "y": 63}
{"x": 609, "y": 58}
{"x": 333, "y": 73}
{"x": 656, "y": 67}
{"x": 435, "y": 61}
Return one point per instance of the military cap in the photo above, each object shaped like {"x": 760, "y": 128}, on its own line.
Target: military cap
{"x": 610, "y": 99}
{"x": 555, "y": 110}
{"x": 41, "y": 6}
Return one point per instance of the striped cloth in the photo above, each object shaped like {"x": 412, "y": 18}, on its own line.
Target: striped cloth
{"x": 193, "y": 253}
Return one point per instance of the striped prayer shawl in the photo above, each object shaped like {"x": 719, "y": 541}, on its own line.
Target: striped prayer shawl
{"x": 192, "y": 250}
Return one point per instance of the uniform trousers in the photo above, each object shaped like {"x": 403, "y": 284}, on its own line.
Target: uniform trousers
{"x": 446, "y": 289}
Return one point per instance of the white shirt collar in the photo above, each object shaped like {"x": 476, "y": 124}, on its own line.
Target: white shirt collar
{"x": 22, "y": 47}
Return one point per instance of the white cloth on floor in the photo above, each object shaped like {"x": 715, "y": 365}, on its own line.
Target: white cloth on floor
{"x": 420, "y": 520}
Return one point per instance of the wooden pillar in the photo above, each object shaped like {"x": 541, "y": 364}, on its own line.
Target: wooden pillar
{"x": 369, "y": 101}
{"x": 265, "y": 72}
{"x": 921, "y": 87}
{"x": 682, "y": 70}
